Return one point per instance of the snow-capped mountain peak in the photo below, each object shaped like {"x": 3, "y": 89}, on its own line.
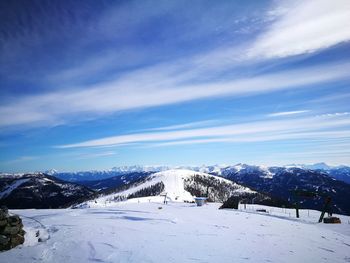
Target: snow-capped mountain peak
{"x": 315, "y": 166}
{"x": 51, "y": 172}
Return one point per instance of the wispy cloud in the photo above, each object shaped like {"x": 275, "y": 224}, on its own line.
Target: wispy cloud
{"x": 262, "y": 137}
{"x": 312, "y": 24}
{"x": 286, "y": 113}
{"x": 304, "y": 27}
{"x": 159, "y": 87}
{"x": 88, "y": 65}
{"x": 186, "y": 125}
{"x": 95, "y": 155}
{"x": 335, "y": 114}
{"x": 252, "y": 131}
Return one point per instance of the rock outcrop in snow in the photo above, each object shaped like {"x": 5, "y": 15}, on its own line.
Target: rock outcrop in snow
{"x": 11, "y": 230}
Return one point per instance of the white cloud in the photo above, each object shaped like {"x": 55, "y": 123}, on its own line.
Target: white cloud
{"x": 96, "y": 155}
{"x": 253, "y": 131}
{"x": 185, "y": 125}
{"x": 262, "y": 137}
{"x": 304, "y": 27}
{"x": 297, "y": 27}
{"x": 336, "y": 114}
{"x": 285, "y": 113}
{"x": 151, "y": 87}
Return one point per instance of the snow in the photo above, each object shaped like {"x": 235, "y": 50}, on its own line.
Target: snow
{"x": 173, "y": 181}
{"x": 179, "y": 232}
{"x": 51, "y": 172}
{"x": 315, "y": 166}
{"x": 12, "y": 187}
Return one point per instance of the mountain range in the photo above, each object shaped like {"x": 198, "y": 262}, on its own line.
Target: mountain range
{"x": 302, "y": 185}
{"x": 340, "y": 172}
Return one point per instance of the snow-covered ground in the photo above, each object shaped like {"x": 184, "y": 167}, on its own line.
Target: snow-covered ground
{"x": 143, "y": 231}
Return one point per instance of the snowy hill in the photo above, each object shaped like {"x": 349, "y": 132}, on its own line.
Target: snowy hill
{"x": 39, "y": 191}
{"x": 178, "y": 232}
{"x": 178, "y": 185}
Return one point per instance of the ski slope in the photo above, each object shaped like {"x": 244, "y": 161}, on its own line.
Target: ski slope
{"x": 173, "y": 181}
{"x": 179, "y": 232}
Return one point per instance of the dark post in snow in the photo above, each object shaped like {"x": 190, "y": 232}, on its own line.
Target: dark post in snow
{"x": 301, "y": 194}
{"x": 325, "y": 208}
{"x": 165, "y": 195}
{"x": 297, "y": 210}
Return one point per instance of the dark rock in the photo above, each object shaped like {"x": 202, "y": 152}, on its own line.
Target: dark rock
{"x": 331, "y": 220}
{"x": 3, "y": 222}
{"x": 3, "y": 215}
{"x": 16, "y": 240}
{"x": 21, "y": 232}
{"x": 4, "y": 209}
{"x": 4, "y": 240}
{"x": 11, "y": 230}
{"x": 4, "y": 243}
{"x": 14, "y": 220}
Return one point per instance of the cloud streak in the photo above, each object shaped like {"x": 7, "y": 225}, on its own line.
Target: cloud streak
{"x": 286, "y": 113}
{"x": 304, "y": 27}
{"x": 155, "y": 87}
{"x": 308, "y": 127}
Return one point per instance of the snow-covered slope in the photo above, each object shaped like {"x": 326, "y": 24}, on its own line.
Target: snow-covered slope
{"x": 7, "y": 190}
{"x": 178, "y": 232}
{"x": 178, "y": 185}
{"x": 40, "y": 191}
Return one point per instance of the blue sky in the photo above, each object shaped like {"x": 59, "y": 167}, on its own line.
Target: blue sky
{"x": 96, "y": 84}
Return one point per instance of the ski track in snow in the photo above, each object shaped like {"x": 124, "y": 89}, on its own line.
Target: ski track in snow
{"x": 179, "y": 232}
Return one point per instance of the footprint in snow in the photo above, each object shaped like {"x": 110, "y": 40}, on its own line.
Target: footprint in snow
{"x": 326, "y": 249}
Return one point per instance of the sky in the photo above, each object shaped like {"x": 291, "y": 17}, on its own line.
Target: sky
{"x": 96, "y": 84}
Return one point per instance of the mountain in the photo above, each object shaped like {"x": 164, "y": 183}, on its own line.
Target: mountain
{"x": 315, "y": 166}
{"x": 40, "y": 191}
{"x": 338, "y": 172}
{"x": 341, "y": 173}
{"x": 178, "y": 185}
{"x": 115, "y": 181}
{"x": 82, "y": 176}
{"x": 282, "y": 183}
{"x": 308, "y": 188}
{"x": 94, "y": 175}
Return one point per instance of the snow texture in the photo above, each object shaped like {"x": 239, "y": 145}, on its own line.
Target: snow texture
{"x": 178, "y": 232}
